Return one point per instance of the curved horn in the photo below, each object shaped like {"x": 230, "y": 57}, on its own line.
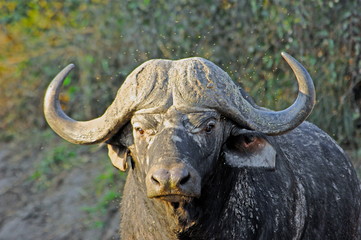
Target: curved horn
{"x": 278, "y": 122}
{"x": 81, "y": 132}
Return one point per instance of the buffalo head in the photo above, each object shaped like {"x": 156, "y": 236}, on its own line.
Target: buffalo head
{"x": 172, "y": 120}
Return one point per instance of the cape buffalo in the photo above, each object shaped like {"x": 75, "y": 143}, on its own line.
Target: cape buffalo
{"x": 205, "y": 162}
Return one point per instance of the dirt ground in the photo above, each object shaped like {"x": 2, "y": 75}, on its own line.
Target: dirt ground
{"x": 65, "y": 206}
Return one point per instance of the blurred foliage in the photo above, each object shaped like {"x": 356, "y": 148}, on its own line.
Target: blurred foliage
{"x": 107, "y": 39}
{"x": 108, "y": 194}
{"x": 62, "y": 156}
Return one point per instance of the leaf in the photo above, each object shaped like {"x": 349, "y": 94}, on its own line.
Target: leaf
{"x": 67, "y": 81}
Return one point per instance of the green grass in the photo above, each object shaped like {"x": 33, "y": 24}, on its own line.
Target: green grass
{"x": 60, "y": 158}
{"x": 107, "y": 188}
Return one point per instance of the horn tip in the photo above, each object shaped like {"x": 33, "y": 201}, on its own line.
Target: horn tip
{"x": 70, "y": 66}
{"x": 285, "y": 55}
{"x": 290, "y": 60}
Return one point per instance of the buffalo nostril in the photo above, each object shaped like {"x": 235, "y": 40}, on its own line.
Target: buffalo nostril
{"x": 185, "y": 179}
{"x": 154, "y": 180}
{"x": 160, "y": 177}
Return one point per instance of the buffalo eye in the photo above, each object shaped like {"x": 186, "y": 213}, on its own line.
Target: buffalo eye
{"x": 248, "y": 140}
{"x": 139, "y": 130}
{"x": 210, "y": 127}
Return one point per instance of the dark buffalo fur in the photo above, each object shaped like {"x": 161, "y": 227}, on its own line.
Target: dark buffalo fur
{"x": 314, "y": 193}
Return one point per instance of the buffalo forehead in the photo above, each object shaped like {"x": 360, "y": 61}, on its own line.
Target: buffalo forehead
{"x": 187, "y": 83}
{"x": 175, "y": 118}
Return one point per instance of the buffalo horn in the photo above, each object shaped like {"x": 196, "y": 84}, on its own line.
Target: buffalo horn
{"x": 278, "y": 122}
{"x": 82, "y": 132}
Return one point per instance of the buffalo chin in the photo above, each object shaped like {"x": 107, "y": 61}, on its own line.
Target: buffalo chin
{"x": 182, "y": 209}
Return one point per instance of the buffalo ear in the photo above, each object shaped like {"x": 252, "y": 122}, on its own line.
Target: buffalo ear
{"x": 119, "y": 156}
{"x": 118, "y": 145}
{"x": 250, "y": 151}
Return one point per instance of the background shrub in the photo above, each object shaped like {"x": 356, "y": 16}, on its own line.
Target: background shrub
{"x": 107, "y": 39}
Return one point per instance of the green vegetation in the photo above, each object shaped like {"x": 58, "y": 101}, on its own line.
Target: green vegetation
{"x": 97, "y": 212}
{"x": 108, "y": 191}
{"x": 60, "y": 158}
{"x": 107, "y": 39}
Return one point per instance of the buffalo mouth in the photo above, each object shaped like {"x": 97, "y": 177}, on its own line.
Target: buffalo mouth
{"x": 176, "y": 201}
{"x": 175, "y": 198}
{"x": 182, "y": 208}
